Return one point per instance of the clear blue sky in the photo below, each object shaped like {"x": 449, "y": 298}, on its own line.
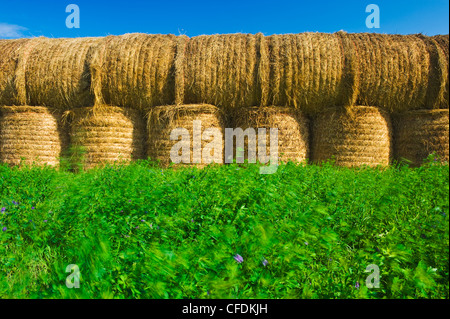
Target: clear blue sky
{"x": 24, "y": 18}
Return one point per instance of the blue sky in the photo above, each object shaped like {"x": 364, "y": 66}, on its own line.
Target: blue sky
{"x": 25, "y": 18}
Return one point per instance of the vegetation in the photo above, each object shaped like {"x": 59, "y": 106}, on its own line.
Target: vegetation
{"x": 307, "y": 231}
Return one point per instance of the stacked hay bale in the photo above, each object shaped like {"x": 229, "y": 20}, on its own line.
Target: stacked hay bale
{"x": 306, "y": 71}
{"x": 420, "y": 133}
{"x": 437, "y": 74}
{"x": 55, "y": 72}
{"x": 30, "y": 132}
{"x": 392, "y": 70}
{"x": 223, "y": 70}
{"x": 443, "y": 41}
{"x": 134, "y": 70}
{"x": 358, "y": 136}
{"x": 106, "y": 134}
{"x": 163, "y": 120}
{"x": 293, "y": 131}
{"x": 9, "y": 57}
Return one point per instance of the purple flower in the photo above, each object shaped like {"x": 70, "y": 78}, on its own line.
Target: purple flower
{"x": 137, "y": 227}
{"x": 265, "y": 262}
{"x": 4, "y": 228}
{"x": 192, "y": 220}
{"x": 129, "y": 201}
{"x": 357, "y": 285}
{"x": 32, "y": 207}
{"x": 143, "y": 220}
{"x": 3, "y": 209}
{"x": 45, "y": 221}
{"x": 238, "y": 258}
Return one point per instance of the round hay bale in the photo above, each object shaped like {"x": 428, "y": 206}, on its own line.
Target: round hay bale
{"x": 8, "y": 64}
{"x": 443, "y": 41}
{"x": 55, "y": 72}
{"x": 163, "y": 119}
{"x": 358, "y": 136}
{"x": 106, "y": 134}
{"x": 293, "y": 131}
{"x": 420, "y": 133}
{"x": 135, "y": 70}
{"x": 437, "y": 75}
{"x": 393, "y": 70}
{"x": 306, "y": 70}
{"x": 182, "y": 42}
{"x": 31, "y": 132}
{"x": 222, "y": 70}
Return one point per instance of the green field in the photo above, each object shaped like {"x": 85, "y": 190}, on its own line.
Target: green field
{"x": 307, "y": 231}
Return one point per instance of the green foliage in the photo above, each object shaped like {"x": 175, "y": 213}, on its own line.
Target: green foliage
{"x": 136, "y": 231}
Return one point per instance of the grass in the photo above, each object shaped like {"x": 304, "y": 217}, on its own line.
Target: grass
{"x": 307, "y": 231}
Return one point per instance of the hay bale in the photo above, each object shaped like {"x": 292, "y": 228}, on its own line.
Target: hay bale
{"x": 135, "y": 70}
{"x": 443, "y": 41}
{"x": 222, "y": 70}
{"x": 306, "y": 70}
{"x": 55, "y": 72}
{"x": 359, "y": 136}
{"x": 437, "y": 74}
{"x": 31, "y": 132}
{"x": 8, "y": 64}
{"x": 393, "y": 70}
{"x": 292, "y": 125}
{"x": 182, "y": 42}
{"x": 163, "y": 119}
{"x": 419, "y": 133}
{"x": 107, "y": 134}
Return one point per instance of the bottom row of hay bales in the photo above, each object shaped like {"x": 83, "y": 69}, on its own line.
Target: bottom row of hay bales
{"x": 359, "y": 136}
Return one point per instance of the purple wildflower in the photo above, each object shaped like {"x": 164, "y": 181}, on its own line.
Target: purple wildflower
{"x": 129, "y": 201}
{"x": 143, "y": 220}
{"x": 192, "y": 220}
{"x": 357, "y": 285}
{"x": 137, "y": 227}
{"x": 4, "y": 228}
{"x": 45, "y": 221}
{"x": 32, "y": 207}
{"x": 3, "y": 209}
{"x": 238, "y": 258}
{"x": 265, "y": 262}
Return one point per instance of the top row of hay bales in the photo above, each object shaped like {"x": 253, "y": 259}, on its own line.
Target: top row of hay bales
{"x": 308, "y": 71}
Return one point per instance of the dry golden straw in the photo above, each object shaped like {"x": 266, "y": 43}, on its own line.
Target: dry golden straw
{"x": 437, "y": 75}
{"x": 223, "y": 70}
{"x": 163, "y": 119}
{"x": 9, "y": 56}
{"x": 361, "y": 135}
{"x": 443, "y": 42}
{"x": 393, "y": 70}
{"x": 55, "y": 72}
{"x": 420, "y": 133}
{"x": 292, "y": 125}
{"x": 306, "y": 71}
{"x": 31, "y": 132}
{"x": 135, "y": 70}
{"x": 107, "y": 134}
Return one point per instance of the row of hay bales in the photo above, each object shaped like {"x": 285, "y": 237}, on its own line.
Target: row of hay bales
{"x": 307, "y": 71}
{"x": 358, "y": 136}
